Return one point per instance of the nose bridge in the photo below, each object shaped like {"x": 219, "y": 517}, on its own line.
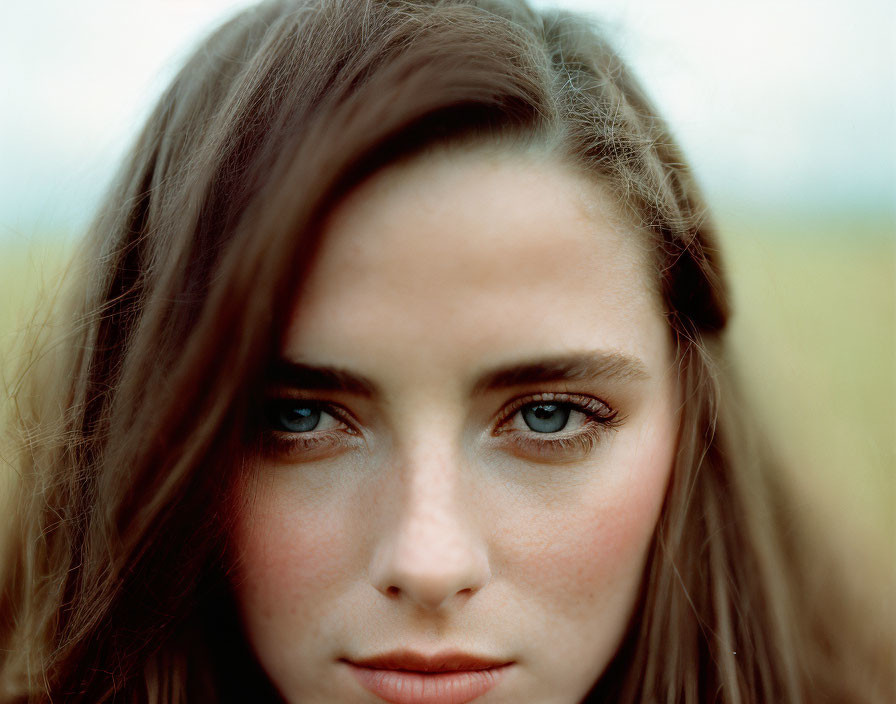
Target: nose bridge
{"x": 431, "y": 550}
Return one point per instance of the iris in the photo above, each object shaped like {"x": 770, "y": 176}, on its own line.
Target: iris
{"x": 546, "y": 417}
{"x": 292, "y": 417}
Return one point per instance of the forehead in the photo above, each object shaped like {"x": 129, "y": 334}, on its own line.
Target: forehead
{"x": 477, "y": 249}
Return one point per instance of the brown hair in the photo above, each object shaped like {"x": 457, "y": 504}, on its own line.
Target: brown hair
{"x": 128, "y": 423}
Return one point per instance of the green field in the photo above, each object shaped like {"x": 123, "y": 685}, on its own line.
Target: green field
{"x": 814, "y": 333}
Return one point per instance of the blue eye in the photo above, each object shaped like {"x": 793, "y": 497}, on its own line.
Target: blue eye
{"x": 293, "y": 416}
{"x": 555, "y": 426}
{"x": 302, "y": 429}
{"x": 546, "y": 417}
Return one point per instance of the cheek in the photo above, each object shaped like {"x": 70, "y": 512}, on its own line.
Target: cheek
{"x": 286, "y": 554}
{"x": 584, "y": 557}
{"x": 600, "y": 545}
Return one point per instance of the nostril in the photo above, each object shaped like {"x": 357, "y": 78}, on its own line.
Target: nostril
{"x": 428, "y": 564}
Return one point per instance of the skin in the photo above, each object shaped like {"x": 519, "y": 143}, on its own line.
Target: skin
{"x": 427, "y": 516}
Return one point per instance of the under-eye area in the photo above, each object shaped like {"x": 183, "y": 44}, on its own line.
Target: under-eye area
{"x": 551, "y": 426}
{"x": 301, "y": 429}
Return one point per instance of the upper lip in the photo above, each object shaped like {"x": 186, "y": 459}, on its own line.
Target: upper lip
{"x": 448, "y": 661}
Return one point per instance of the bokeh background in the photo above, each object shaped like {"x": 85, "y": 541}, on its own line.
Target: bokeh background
{"x": 786, "y": 109}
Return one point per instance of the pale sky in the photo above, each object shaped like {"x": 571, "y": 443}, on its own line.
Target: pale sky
{"x": 784, "y": 105}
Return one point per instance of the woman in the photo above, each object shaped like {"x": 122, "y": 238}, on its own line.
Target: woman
{"x": 398, "y": 374}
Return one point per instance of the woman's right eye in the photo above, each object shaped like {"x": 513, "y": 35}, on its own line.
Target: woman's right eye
{"x": 298, "y": 429}
{"x": 298, "y": 416}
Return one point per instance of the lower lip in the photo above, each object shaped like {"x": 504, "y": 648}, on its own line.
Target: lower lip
{"x": 403, "y": 687}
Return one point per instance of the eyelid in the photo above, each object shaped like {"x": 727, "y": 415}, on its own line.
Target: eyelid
{"x": 298, "y": 447}
{"x": 338, "y": 411}
{"x": 591, "y": 406}
{"x": 559, "y": 448}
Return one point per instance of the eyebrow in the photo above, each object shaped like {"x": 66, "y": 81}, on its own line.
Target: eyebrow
{"x": 285, "y": 372}
{"x": 590, "y": 366}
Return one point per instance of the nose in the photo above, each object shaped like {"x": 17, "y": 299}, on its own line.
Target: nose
{"x": 431, "y": 552}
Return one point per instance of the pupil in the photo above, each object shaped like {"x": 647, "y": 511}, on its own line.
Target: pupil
{"x": 546, "y": 417}
{"x": 298, "y": 419}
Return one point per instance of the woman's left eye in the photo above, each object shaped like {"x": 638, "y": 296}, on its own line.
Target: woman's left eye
{"x": 556, "y": 426}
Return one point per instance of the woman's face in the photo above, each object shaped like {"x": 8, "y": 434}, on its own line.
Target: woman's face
{"x": 467, "y": 443}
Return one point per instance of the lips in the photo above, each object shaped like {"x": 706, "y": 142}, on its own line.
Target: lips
{"x": 405, "y": 677}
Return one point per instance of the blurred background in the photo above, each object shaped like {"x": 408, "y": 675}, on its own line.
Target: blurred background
{"x": 785, "y": 108}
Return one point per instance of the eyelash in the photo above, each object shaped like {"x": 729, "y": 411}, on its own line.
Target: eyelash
{"x": 290, "y": 444}
{"x": 599, "y": 420}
